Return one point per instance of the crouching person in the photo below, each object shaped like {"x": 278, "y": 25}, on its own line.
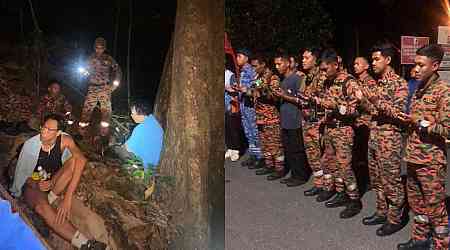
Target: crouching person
{"x": 146, "y": 140}
{"x": 49, "y": 168}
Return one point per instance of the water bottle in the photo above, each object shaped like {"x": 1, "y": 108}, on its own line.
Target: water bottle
{"x": 43, "y": 174}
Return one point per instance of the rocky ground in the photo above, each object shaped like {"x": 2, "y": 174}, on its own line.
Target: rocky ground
{"x": 109, "y": 202}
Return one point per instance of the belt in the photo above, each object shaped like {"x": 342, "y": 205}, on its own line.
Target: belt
{"x": 339, "y": 124}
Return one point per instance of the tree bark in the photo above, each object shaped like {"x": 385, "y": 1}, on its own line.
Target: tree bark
{"x": 191, "y": 108}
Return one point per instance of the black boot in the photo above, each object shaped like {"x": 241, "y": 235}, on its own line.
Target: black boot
{"x": 276, "y": 175}
{"x": 294, "y": 182}
{"x": 250, "y": 161}
{"x": 258, "y": 164}
{"x": 264, "y": 171}
{"x": 415, "y": 245}
{"x": 353, "y": 208}
{"x": 340, "y": 200}
{"x": 286, "y": 180}
{"x": 93, "y": 245}
{"x": 389, "y": 228}
{"x": 325, "y": 195}
{"x": 374, "y": 219}
{"x": 313, "y": 191}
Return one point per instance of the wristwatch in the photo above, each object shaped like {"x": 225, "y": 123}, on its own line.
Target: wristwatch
{"x": 423, "y": 125}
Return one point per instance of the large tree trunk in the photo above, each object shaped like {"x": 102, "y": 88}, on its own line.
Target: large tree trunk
{"x": 190, "y": 106}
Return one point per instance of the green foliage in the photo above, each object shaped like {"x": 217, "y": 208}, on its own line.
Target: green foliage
{"x": 267, "y": 25}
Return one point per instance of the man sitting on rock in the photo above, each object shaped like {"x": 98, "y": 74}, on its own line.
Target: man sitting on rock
{"x": 49, "y": 164}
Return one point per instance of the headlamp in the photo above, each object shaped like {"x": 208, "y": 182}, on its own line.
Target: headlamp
{"x": 83, "y": 71}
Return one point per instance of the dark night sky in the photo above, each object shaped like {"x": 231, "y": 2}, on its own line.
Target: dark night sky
{"x": 375, "y": 20}
{"x": 83, "y": 20}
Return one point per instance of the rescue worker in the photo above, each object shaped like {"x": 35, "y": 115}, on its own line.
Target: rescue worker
{"x": 104, "y": 77}
{"x": 312, "y": 116}
{"x": 53, "y": 103}
{"x": 389, "y": 99}
{"x": 269, "y": 130}
{"x": 425, "y": 153}
{"x": 340, "y": 104}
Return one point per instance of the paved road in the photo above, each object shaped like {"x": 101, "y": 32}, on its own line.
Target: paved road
{"x": 266, "y": 215}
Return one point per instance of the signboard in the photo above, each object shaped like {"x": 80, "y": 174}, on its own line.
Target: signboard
{"x": 445, "y": 64}
{"x": 443, "y": 35}
{"x": 444, "y": 41}
{"x": 410, "y": 44}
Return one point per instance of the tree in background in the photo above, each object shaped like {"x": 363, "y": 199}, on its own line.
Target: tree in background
{"x": 267, "y": 25}
{"x": 193, "y": 123}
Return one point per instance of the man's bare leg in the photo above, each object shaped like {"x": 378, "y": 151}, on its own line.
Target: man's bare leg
{"x": 38, "y": 201}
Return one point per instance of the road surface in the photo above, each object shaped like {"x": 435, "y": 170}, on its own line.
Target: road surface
{"x": 263, "y": 215}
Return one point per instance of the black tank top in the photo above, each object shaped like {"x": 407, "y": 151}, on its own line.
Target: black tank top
{"x": 51, "y": 162}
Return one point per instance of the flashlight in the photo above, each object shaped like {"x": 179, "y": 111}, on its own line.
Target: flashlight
{"x": 83, "y": 71}
{"x": 116, "y": 83}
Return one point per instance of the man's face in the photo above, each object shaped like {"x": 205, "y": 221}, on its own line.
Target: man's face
{"x": 424, "y": 67}
{"x": 360, "y": 65}
{"x": 331, "y": 69}
{"x": 308, "y": 61}
{"x": 258, "y": 66}
{"x": 54, "y": 89}
{"x": 379, "y": 62}
{"x": 99, "y": 49}
{"x": 267, "y": 75}
{"x": 137, "y": 118}
{"x": 281, "y": 65}
{"x": 241, "y": 59}
{"x": 49, "y": 130}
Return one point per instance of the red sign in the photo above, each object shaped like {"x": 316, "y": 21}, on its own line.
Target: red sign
{"x": 410, "y": 44}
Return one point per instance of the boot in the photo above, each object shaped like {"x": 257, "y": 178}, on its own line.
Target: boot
{"x": 374, "y": 219}
{"x": 93, "y": 245}
{"x": 415, "y": 245}
{"x": 325, "y": 195}
{"x": 313, "y": 191}
{"x": 264, "y": 171}
{"x": 340, "y": 200}
{"x": 353, "y": 208}
{"x": 294, "y": 182}
{"x": 276, "y": 175}
{"x": 389, "y": 228}
{"x": 250, "y": 161}
{"x": 259, "y": 164}
{"x": 286, "y": 180}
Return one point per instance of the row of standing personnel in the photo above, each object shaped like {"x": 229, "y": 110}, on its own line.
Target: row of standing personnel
{"x": 323, "y": 105}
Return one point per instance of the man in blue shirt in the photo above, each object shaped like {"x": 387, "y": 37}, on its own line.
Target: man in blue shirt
{"x": 146, "y": 140}
{"x": 412, "y": 86}
{"x": 248, "y": 114}
{"x": 291, "y": 126}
